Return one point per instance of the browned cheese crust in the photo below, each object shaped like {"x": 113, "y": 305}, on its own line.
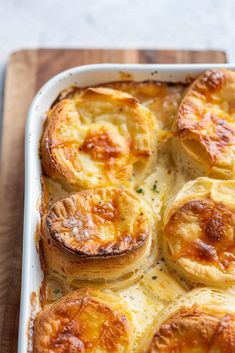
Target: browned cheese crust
{"x": 206, "y": 122}
{"x": 193, "y": 330}
{"x": 84, "y": 321}
{"x": 101, "y": 137}
{"x": 213, "y": 242}
{"x": 105, "y": 229}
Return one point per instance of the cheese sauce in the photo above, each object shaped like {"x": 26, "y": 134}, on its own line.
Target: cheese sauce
{"x": 153, "y": 287}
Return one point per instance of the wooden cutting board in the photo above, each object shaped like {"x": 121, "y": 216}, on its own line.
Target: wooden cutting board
{"x": 27, "y": 71}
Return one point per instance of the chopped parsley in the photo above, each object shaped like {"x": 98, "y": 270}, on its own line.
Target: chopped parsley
{"x": 56, "y": 291}
{"x": 140, "y": 191}
{"x": 154, "y": 188}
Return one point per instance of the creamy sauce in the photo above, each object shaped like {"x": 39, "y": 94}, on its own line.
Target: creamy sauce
{"x": 155, "y": 286}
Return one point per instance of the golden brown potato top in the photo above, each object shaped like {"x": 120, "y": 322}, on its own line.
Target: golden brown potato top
{"x": 84, "y": 321}
{"x": 202, "y": 230}
{"x": 102, "y": 137}
{"x": 100, "y": 222}
{"x": 192, "y": 330}
{"x": 206, "y": 119}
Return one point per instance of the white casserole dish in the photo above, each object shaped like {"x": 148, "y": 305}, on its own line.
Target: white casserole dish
{"x": 81, "y": 76}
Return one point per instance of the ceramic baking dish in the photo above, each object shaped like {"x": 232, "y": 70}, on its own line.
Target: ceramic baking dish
{"x": 82, "y": 76}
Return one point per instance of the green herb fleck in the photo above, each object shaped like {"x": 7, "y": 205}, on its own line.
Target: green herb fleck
{"x": 154, "y": 188}
{"x": 57, "y": 291}
{"x": 140, "y": 191}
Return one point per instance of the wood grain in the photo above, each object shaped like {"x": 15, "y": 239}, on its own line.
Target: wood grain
{"x": 27, "y": 71}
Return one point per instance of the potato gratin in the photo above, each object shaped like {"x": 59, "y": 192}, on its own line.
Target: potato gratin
{"x": 138, "y": 209}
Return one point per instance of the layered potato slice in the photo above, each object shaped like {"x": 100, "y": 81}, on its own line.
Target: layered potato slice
{"x": 161, "y": 98}
{"x": 84, "y": 321}
{"x": 203, "y": 321}
{"x": 206, "y": 123}
{"x": 97, "y": 234}
{"x": 198, "y": 232}
{"x": 101, "y": 137}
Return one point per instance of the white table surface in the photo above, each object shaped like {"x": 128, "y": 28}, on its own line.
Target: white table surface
{"x": 163, "y": 24}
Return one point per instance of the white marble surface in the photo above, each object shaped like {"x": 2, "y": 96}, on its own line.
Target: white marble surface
{"x": 177, "y": 24}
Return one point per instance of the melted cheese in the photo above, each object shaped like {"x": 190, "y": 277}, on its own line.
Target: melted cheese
{"x": 206, "y": 123}
{"x": 85, "y": 320}
{"x": 202, "y": 321}
{"x": 160, "y": 282}
{"x": 144, "y": 308}
{"x": 98, "y": 222}
{"x": 99, "y": 138}
{"x": 156, "y": 179}
{"x": 145, "y": 298}
{"x": 199, "y": 232}
{"x": 148, "y": 297}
